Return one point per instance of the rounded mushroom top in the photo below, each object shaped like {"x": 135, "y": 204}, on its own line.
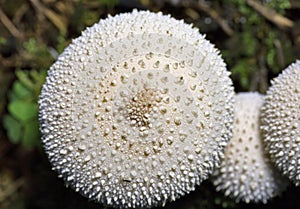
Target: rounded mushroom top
{"x": 137, "y": 110}
{"x": 246, "y": 172}
{"x": 281, "y": 122}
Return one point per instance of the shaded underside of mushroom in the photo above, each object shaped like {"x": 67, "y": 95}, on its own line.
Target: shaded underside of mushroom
{"x": 137, "y": 110}
{"x": 281, "y": 122}
{"x": 246, "y": 172}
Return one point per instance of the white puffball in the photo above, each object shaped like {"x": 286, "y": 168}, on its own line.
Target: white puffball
{"x": 137, "y": 110}
{"x": 246, "y": 173}
{"x": 281, "y": 122}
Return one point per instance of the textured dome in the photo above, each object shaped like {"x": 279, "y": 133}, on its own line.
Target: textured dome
{"x": 281, "y": 122}
{"x": 137, "y": 110}
{"x": 246, "y": 173}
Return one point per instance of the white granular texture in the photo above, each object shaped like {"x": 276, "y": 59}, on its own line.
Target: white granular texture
{"x": 137, "y": 110}
{"x": 281, "y": 122}
{"x": 246, "y": 172}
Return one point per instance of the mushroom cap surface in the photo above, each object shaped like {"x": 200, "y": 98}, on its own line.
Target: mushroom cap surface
{"x": 281, "y": 122}
{"x": 246, "y": 172}
{"x": 137, "y": 110}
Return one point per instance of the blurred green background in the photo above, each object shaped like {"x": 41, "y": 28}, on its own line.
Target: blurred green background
{"x": 257, "y": 39}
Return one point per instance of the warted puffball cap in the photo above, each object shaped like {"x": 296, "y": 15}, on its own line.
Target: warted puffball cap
{"x": 246, "y": 172}
{"x": 281, "y": 122}
{"x": 137, "y": 110}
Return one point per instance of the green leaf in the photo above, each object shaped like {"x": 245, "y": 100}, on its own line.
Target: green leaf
{"x": 13, "y": 128}
{"x": 249, "y": 43}
{"x": 31, "y": 135}
{"x": 23, "y": 111}
{"x": 24, "y": 78}
{"x": 12, "y": 96}
{"x": 30, "y": 46}
{"x": 20, "y": 90}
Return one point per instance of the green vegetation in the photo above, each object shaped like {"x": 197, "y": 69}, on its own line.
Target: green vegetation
{"x": 258, "y": 50}
{"x": 21, "y": 122}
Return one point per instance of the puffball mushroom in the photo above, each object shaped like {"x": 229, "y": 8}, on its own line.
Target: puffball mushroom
{"x": 246, "y": 172}
{"x": 281, "y": 122}
{"x": 137, "y": 110}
